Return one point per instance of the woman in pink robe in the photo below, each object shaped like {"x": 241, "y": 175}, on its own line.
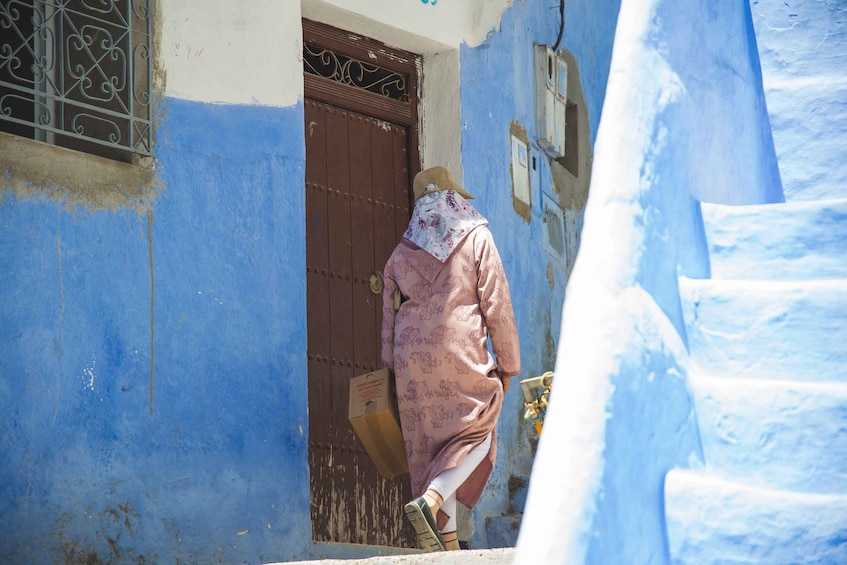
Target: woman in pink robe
{"x": 445, "y": 296}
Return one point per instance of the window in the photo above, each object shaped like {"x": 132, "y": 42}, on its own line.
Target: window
{"x": 77, "y": 74}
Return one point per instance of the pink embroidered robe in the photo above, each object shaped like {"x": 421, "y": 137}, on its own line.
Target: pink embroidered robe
{"x": 449, "y": 393}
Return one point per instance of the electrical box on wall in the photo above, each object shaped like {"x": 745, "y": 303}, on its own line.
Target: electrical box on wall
{"x": 555, "y": 235}
{"x": 551, "y": 79}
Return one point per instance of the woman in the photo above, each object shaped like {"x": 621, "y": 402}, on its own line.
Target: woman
{"x": 445, "y": 296}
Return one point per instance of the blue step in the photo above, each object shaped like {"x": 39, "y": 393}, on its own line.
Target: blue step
{"x": 793, "y": 240}
{"x": 780, "y": 434}
{"x": 795, "y": 330}
{"x": 712, "y": 521}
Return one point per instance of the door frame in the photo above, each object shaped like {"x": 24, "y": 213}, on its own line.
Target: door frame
{"x": 349, "y": 97}
{"x": 341, "y": 45}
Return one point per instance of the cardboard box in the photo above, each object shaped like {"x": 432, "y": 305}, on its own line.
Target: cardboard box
{"x": 373, "y": 415}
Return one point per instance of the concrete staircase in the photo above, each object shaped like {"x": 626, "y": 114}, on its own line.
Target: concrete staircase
{"x": 768, "y": 340}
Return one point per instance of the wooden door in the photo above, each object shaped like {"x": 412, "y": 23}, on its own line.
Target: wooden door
{"x": 358, "y": 176}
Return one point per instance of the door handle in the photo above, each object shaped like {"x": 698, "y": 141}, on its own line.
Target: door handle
{"x": 376, "y": 282}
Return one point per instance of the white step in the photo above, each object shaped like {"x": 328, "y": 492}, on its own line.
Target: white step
{"x": 795, "y": 330}
{"x": 780, "y": 434}
{"x": 711, "y": 521}
{"x": 794, "y": 240}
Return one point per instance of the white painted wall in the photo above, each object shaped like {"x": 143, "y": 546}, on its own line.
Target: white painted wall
{"x": 441, "y": 112}
{"x": 449, "y": 23}
{"x": 250, "y": 52}
{"x": 232, "y": 52}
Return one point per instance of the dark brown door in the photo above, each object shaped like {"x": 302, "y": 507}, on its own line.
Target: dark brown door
{"x": 358, "y": 170}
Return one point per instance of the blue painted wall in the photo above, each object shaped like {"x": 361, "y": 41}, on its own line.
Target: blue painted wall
{"x": 87, "y": 468}
{"x": 213, "y": 467}
{"x": 498, "y": 87}
{"x": 683, "y": 120}
{"x": 802, "y": 45}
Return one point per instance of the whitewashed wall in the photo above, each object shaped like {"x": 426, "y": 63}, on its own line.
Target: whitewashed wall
{"x": 249, "y": 52}
{"x": 232, "y": 52}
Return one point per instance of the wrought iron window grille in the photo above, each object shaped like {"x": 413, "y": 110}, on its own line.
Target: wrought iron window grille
{"x": 334, "y": 66}
{"x": 77, "y": 73}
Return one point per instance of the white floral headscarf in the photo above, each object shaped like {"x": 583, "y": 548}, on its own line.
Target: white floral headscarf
{"x": 440, "y": 221}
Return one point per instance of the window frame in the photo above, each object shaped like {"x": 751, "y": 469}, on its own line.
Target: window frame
{"x": 66, "y": 42}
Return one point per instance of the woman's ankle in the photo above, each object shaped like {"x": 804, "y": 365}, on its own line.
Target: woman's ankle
{"x": 433, "y": 500}
{"x": 451, "y": 540}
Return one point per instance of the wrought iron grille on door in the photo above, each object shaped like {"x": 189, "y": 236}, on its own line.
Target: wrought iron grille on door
{"x": 323, "y": 62}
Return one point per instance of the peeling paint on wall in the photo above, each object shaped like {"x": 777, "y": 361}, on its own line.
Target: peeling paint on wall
{"x": 37, "y": 170}
{"x": 80, "y": 281}
{"x": 572, "y": 190}
{"x": 88, "y": 375}
{"x": 116, "y": 524}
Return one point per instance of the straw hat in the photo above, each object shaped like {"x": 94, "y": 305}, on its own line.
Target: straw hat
{"x": 441, "y": 178}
